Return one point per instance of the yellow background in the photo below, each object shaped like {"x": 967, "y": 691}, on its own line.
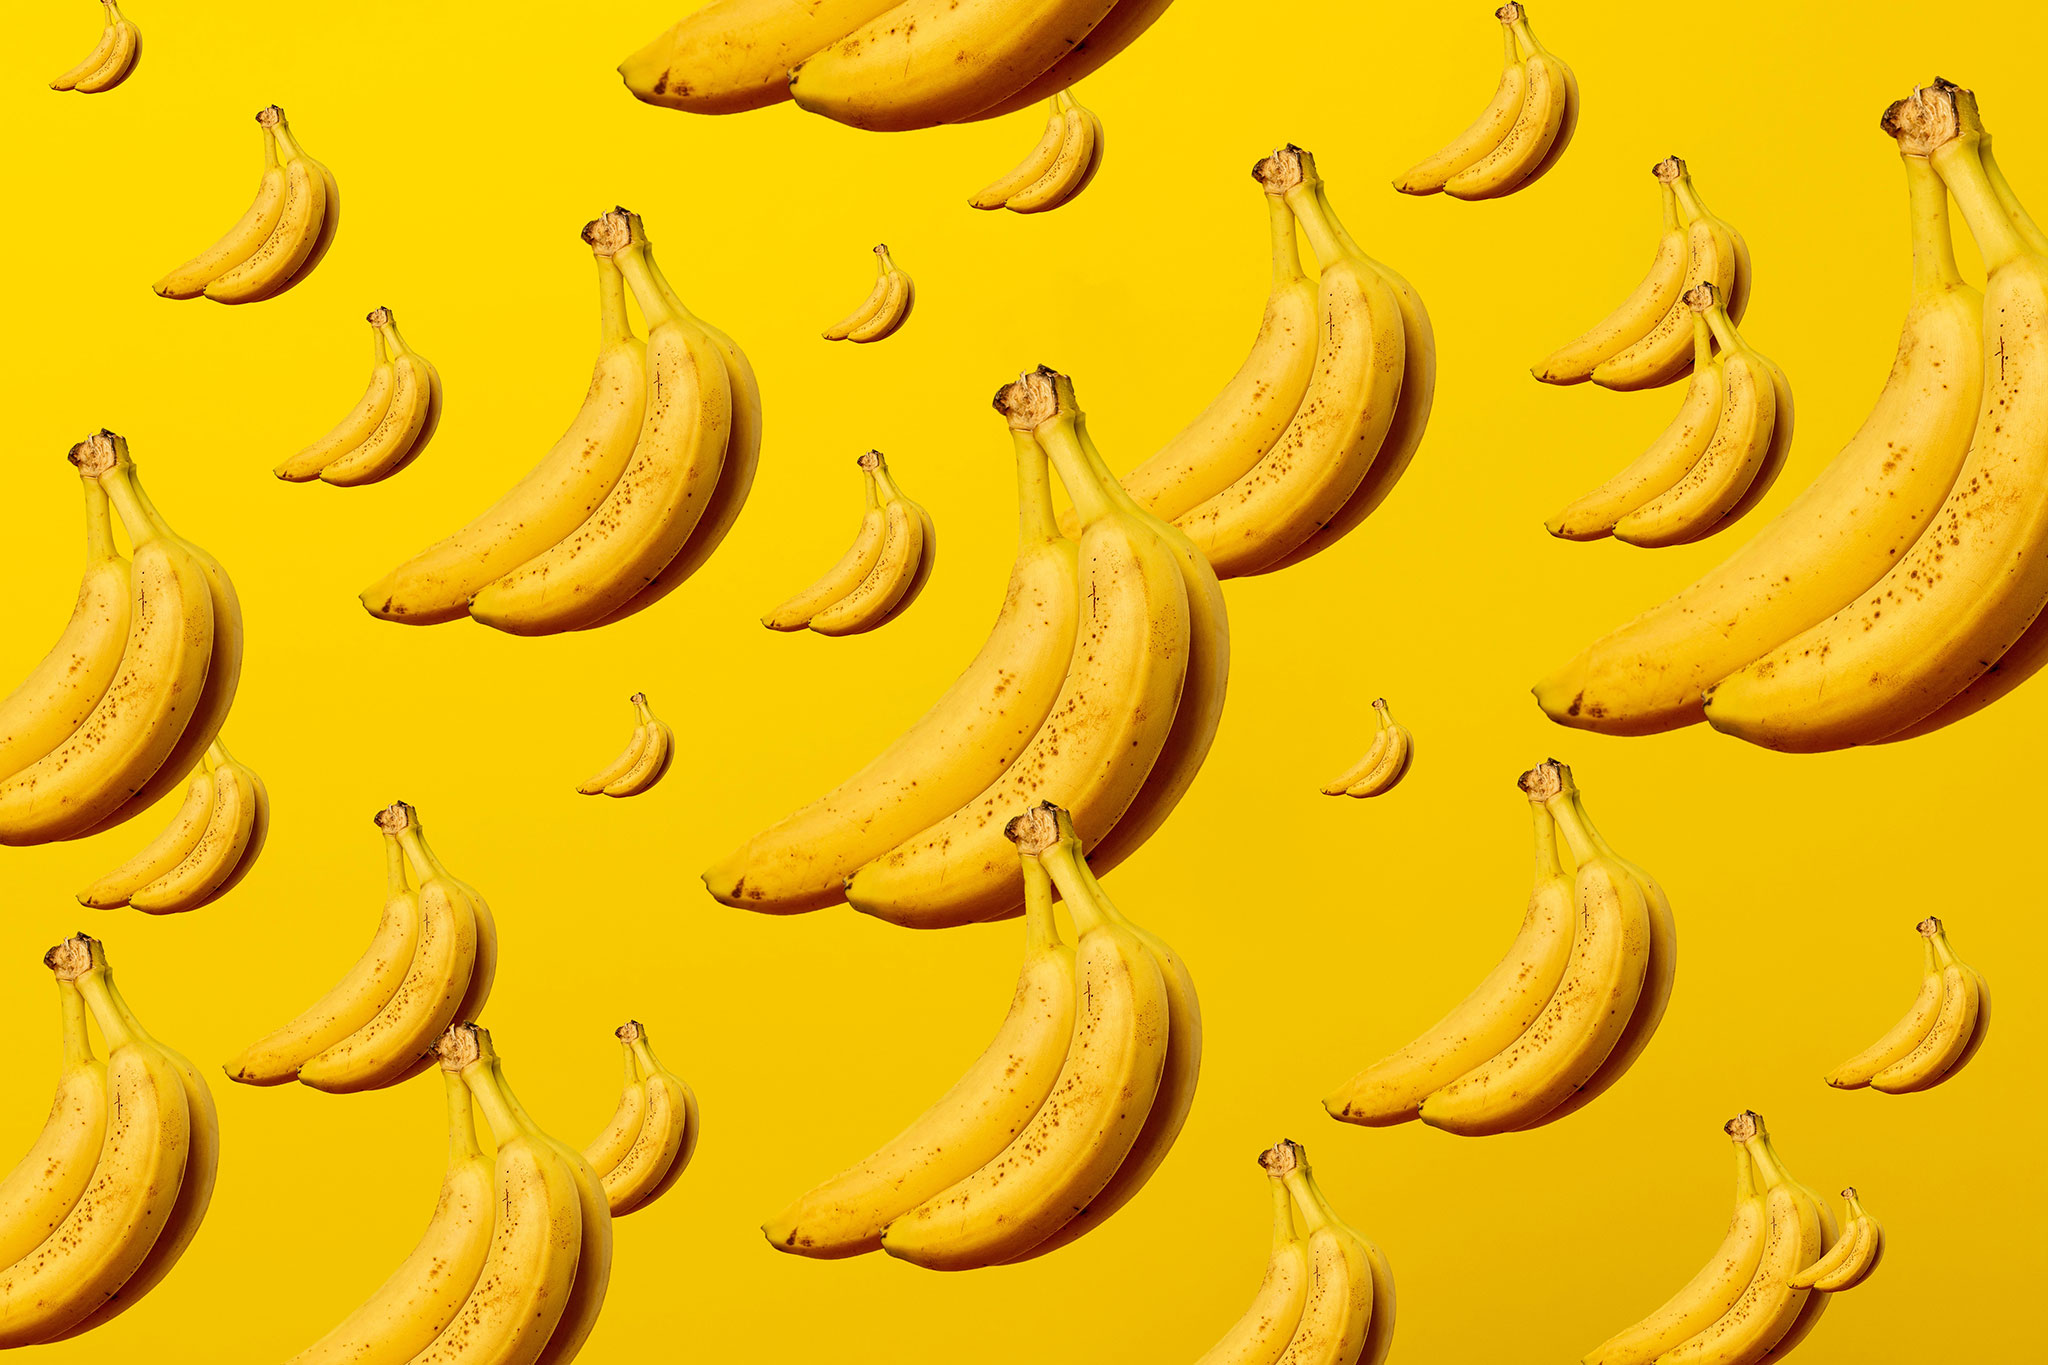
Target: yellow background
{"x": 472, "y": 142}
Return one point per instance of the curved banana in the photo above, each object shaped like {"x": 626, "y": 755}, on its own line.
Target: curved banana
{"x": 649, "y": 514}
{"x": 1103, "y": 736}
{"x": 1122, "y": 26}
{"x": 1260, "y": 1337}
{"x": 649, "y": 1160}
{"x": 277, "y": 262}
{"x": 966, "y": 740}
{"x": 1044, "y": 182}
{"x": 408, "y": 422}
{"x": 1852, "y": 1258}
{"x": 61, "y": 691}
{"x": 642, "y": 763}
{"x": 1716, "y": 254}
{"x": 1542, "y": 127}
{"x": 1337, "y": 1320}
{"x": 734, "y": 55}
{"x": 112, "y": 59}
{"x": 902, "y": 564}
{"x": 163, "y": 853}
{"x": 1953, "y": 1033}
{"x": 1499, "y": 1010}
{"x": 1074, "y": 1144}
{"x": 842, "y": 578}
{"x": 1635, "y": 315}
{"x": 972, "y": 1123}
{"x": 364, "y": 418}
{"x": 1974, "y": 582}
{"x": 1837, "y": 538}
{"x": 1485, "y": 133}
{"x": 240, "y": 242}
{"x": 191, "y": 863}
{"x": 556, "y": 496}
{"x": 885, "y": 308}
{"x": 485, "y": 975}
{"x": 1035, "y": 164}
{"x": 1385, "y": 762}
{"x": 1311, "y": 472}
{"x": 47, "y": 1183}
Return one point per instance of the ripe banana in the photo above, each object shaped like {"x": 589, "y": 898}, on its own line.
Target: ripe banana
{"x": 1635, "y": 315}
{"x": 112, "y": 59}
{"x": 653, "y": 1134}
{"x": 734, "y": 55}
{"x": 1715, "y": 254}
{"x": 37, "y": 1194}
{"x": 902, "y": 565}
{"x": 1385, "y": 762}
{"x": 1835, "y": 540}
{"x": 966, "y": 740}
{"x": 1260, "y": 1337}
{"x": 388, "y": 428}
{"x": 1121, "y": 27}
{"x": 1969, "y": 588}
{"x": 886, "y": 307}
{"x": 1519, "y": 135}
{"x": 205, "y": 850}
{"x": 1105, "y": 733}
{"x": 1058, "y": 168}
{"x": 1343, "y": 1298}
{"x": 279, "y": 239}
{"x": 1852, "y": 1258}
{"x": 1942, "y": 1030}
{"x": 643, "y": 761}
{"x": 852, "y": 569}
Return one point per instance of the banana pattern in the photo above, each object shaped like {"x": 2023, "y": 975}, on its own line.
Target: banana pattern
{"x": 388, "y": 428}
{"x": 1520, "y": 134}
{"x": 881, "y": 573}
{"x": 1062, "y": 164}
{"x": 886, "y": 308}
{"x": 285, "y": 232}
{"x": 1385, "y": 762}
{"x": 1939, "y": 1034}
{"x": 205, "y": 852}
{"x": 112, "y": 60}
{"x": 653, "y": 1134}
{"x": 642, "y": 763}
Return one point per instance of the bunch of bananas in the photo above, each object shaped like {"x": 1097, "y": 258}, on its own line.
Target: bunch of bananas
{"x": 884, "y": 64}
{"x": 1567, "y": 1011}
{"x": 1328, "y": 1295}
{"x": 1058, "y": 168}
{"x": 886, "y": 307}
{"x": 126, "y": 704}
{"x": 1947, "y": 1023}
{"x": 636, "y": 495}
{"x": 431, "y": 962}
{"x": 1324, "y": 415}
{"x": 1100, "y": 687}
{"x": 1060, "y": 1122}
{"x": 1894, "y": 596}
{"x": 210, "y": 845}
{"x": 513, "y": 1267}
{"x": 1649, "y": 340}
{"x": 1520, "y": 134}
{"x": 389, "y": 426}
{"x": 283, "y": 234}
{"x": 653, "y": 1134}
{"x": 642, "y": 763}
{"x": 112, "y": 60}
{"x": 1716, "y": 460}
{"x": 881, "y": 573}
{"x": 116, "y": 1185}
{"x": 1755, "y": 1300}
{"x": 1384, "y": 764}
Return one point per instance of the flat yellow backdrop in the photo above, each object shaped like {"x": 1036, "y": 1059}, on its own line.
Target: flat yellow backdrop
{"x": 472, "y": 143}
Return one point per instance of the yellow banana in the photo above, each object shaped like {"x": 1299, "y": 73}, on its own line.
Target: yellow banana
{"x": 485, "y": 974}
{"x": 1485, "y": 133}
{"x": 1040, "y": 159}
{"x": 275, "y": 265}
{"x": 1906, "y": 1035}
{"x": 1952, "y": 1032}
{"x": 886, "y": 307}
{"x": 642, "y": 763}
{"x": 666, "y": 1135}
{"x": 1121, "y": 27}
{"x": 842, "y": 578}
{"x": 365, "y": 418}
{"x": 1073, "y": 165}
{"x": 47, "y": 1183}
{"x": 407, "y": 423}
{"x": 1852, "y": 1258}
{"x": 242, "y": 240}
{"x": 1385, "y": 762}
{"x": 1261, "y": 1336}
{"x": 1716, "y": 254}
{"x": 1336, "y": 1322}
{"x": 608, "y": 1147}
{"x": 112, "y": 59}
{"x": 734, "y": 55}
{"x": 901, "y": 566}
{"x": 1535, "y": 139}
{"x": 1635, "y": 315}
{"x": 237, "y": 813}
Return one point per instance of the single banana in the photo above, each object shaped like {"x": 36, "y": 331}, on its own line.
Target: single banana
{"x": 241, "y": 241}
{"x": 237, "y": 812}
{"x": 1499, "y": 1010}
{"x": 112, "y": 59}
{"x": 1485, "y": 133}
{"x": 1532, "y": 142}
{"x": 1385, "y": 762}
{"x": 648, "y": 515}
{"x": 275, "y": 265}
{"x": 1952, "y": 1032}
{"x": 628, "y": 765}
{"x": 1635, "y": 315}
{"x": 966, "y": 740}
{"x": 61, "y": 691}
{"x": 1912, "y": 1027}
{"x": 1260, "y": 1337}
{"x": 1073, "y": 1145}
{"x": 1121, "y": 27}
{"x": 886, "y": 307}
{"x": 1103, "y": 736}
{"x": 1716, "y": 254}
{"x": 407, "y": 423}
{"x": 1040, "y": 159}
{"x": 901, "y": 566}
{"x": 972, "y": 1123}
{"x": 842, "y": 578}
{"x": 363, "y": 419}
{"x": 163, "y": 853}
{"x": 1709, "y": 1294}
{"x": 1852, "y": 1258}
{"x": 1836, "y": 539}
{"x": 557, "y": 495}
{"x": 734, "y": 55}
{"x": 1336, "y": 1322}
{"x": 47, "y": 1183}
{"x": 926, "y": 62}
{"x": 1073, "y": 166}
{"x": 663, "y": 1140}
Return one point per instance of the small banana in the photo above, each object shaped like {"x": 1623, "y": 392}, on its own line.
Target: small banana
{"x": 1635, "y": 315}
{"x": 1852, "y": 1258}
{"x": 1520, "y": 134}
{"x": 112, "y": 60}
{"x": 842, "y": 578}
{"x": 653, "y": 1133}
{"x": 886, "y": 307}
{"x": 901, "y": 564}
{"x": 388, "y": 428}
{"x": 38, "y": 1193}
{"x": 1716, "y": 254}
{"x": 1344, "y": 1298}
{"x": 1385, "y": 762}
{"x": 282, "y": 236}
{"x": 1062, "y": 164}
{"x": 1941, "y": 1032}
{"x": 642, "y": 763}
{"x": 1261, "y": 1335}
{"x": 207, "y": 848}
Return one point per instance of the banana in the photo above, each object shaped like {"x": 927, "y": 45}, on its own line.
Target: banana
{"x": 523, "y": 1291}
{"x": 886, "y": 307}
{"x": 1121, "y": 27}
{"x": 643, "y": 762}
{"x": 1036, "y": 163}
{"x": 1906, "y": 1035}
{"x": 1073, "y": 1145}
{"x": 1485, "y": 133}
{"x": 1542, "y": 124}
{"x": 37, "y": 1194}
{"x": 966, "y": 740}
{"x": 1105, "y": 732}
{"x": 106, "y": 1236}
{"x": 1336, "y": 1321}
{"x": 842, "y": 578}
{"x": 57, "y": 696}
{"x": 354, "y": 429}
{"x": 1310, "y": 473}
{"x": 275, "y": 263}
{"x": 485, "y": 974}
{"x": 1041, "y": 184}
{"x": 902, "y": 564}
{"x": 1852, "y": 1258}
{"x": 648, "y": 515}
{"x": 1385, "y": 762}
{"x": 1974, "y": 581}
{"x": 1715, "y": 254}
{"x": 1835, "y": 540}
{"x": 1499, "y": 1010}
{"x": 155, "y": 693}
{"x": 734, "y": 55}
{"x": 1951, "y": 1031}
{"x": 638, "y": 1167}
{"x": 972, "y": 1123}
{"x": 925, "y": 62}
{"x": 406, "y": 424}
{"x": 1708, "y": 1294}
{"x": 112, "y": 59}
{"x": 1260, "y": 1337}
{"x": 240, "y": 242}
{"x": 189, "y": 865}
{"x": 1635, "y": 315}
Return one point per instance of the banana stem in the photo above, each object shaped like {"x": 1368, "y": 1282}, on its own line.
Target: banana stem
{"x": 99, "y": 523}
{"x": 1284, "y": 1234}
{"x": 462, "y": 1140}
{"x": 1669, "y": 202}
{"x": 1548, "y": 867}
{"x": 613, "y": 326}
{"x": 1934, "y": 254}
{"x": 1384, "y": 716}
{"x": 1323, "y": 237}
{"x": 482, "y": 1078}
{"x": 1745, "y": 1172}
{"x": 287, "y": 146}
{"x": 1037, "y": 523}
{"x": 1315, "y": 1213}
{"x": 654, "y": 305}
{"x": 883, "y": 265}
{"x": 640, "y": 709}
{"x": 1090, "y": 497}
{"x": 416, "y": 853}
{"x": 1702, "y": 344}
{"x": 626, "y": 1033}
{"x": 1286, "y": 242}
{"x": 77, "y": 1044}
{"x": 1511, "y": 50}
{"x": 1565, "y": 812}
{"x": 870, "y": 497}
{"x": 1041, "y": 930}
{"x": 2002, "y": 187}
{"x": 114, "y": 1025}
{"x": 884, "y": 482}
{"x": 1962, "y": 169}
{"x": 395, "y": 884}
{"x": 141, "y": 528}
